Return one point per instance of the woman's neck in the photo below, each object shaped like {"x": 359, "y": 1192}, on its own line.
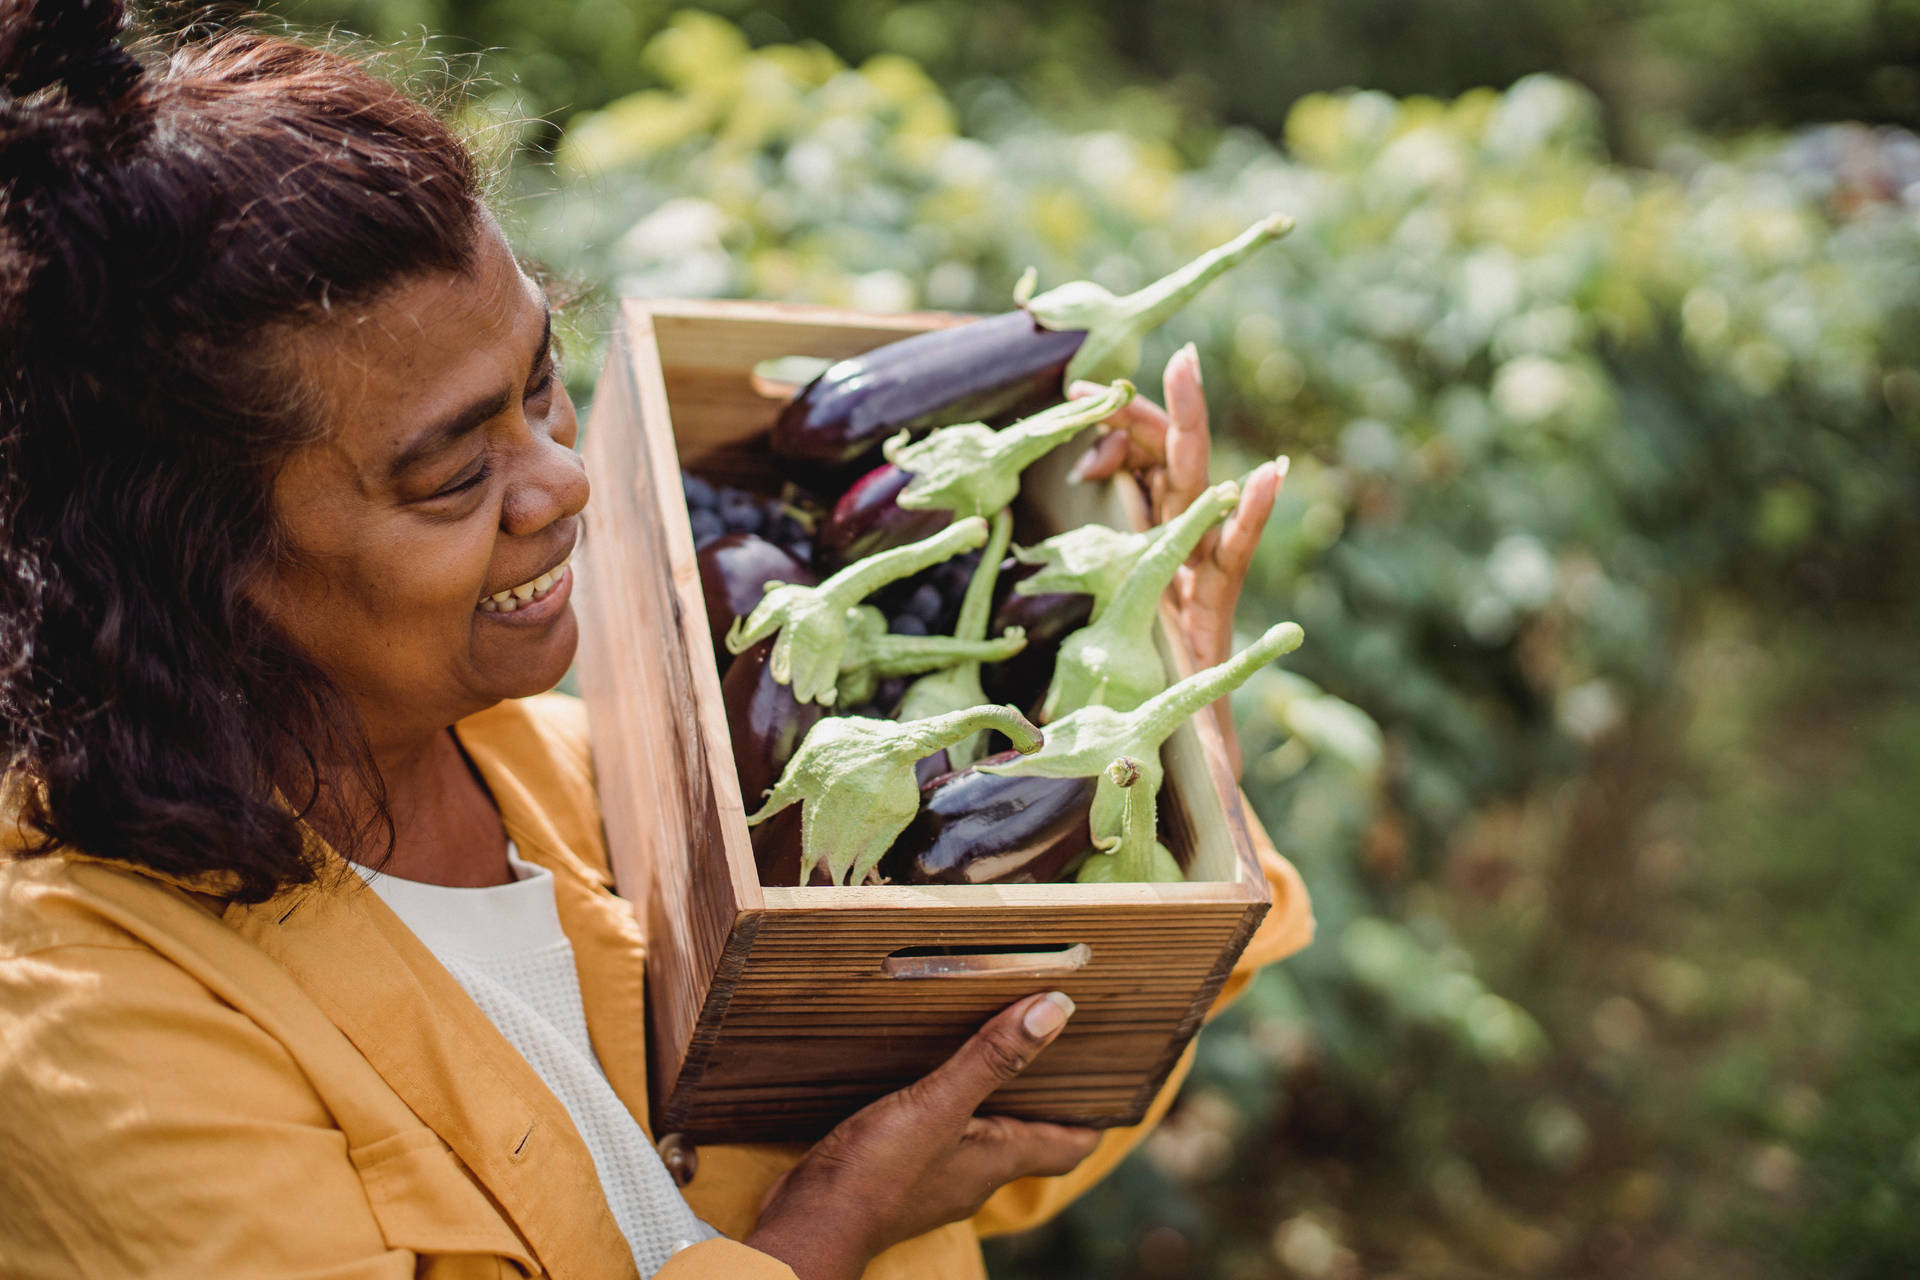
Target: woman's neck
{"x": 446, "y": 830}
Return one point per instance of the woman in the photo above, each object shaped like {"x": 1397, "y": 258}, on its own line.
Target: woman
{"x": 281, "y": 436}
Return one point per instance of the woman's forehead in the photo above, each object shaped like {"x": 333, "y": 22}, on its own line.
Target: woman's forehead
{"x": 422, "y": 350}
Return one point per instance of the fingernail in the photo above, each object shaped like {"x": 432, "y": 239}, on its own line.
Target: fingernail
{"x": 1280, "y": 465}
{"x": 1193, "y": 357}
{"x": 1081, "y": 387}
{"x": 1078, "y": 472}
{"x": 1047, "y": 1015}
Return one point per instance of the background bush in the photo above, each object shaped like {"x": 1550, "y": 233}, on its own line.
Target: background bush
{"x": 1601, "y": 525}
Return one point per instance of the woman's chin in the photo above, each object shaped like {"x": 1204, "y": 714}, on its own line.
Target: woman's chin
{"x": 521, "y": 660}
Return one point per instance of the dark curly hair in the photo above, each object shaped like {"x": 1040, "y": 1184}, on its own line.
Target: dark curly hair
{"x": 164, "y": 231}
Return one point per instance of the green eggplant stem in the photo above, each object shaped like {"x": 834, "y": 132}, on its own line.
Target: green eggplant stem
{"x": 972, "y": 470}
{"x": 1112, "y": 659}
{"x": 813, "y": 621}
{"x": 864, "y": 577}
{"x": 1115, "y": 325}
{"x": 976, "y": 606}
{"x": 853, "y": 778}
{"x": 1136, "y": 855}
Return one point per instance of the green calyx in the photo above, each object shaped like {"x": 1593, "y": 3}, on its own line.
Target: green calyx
{"x": 972, "y": 470}
{"x": 1084, "y": 741}
{"x": 1115, "y": 325}
{"x": 873, "y": 654}
{"x": 853, "y": 778}
{"x": 959, "y": 685}
{"x": 1112, "y": 660}
{"x": 1091, "y": 560}
{"x": 1136, "y": 856}
{"x": 812, "y": 621}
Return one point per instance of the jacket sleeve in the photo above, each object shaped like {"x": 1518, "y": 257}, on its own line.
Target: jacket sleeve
{"x": 1287, "y": 928}
{"x": 723, "y": 1259}
{"x": 153, "y": 1131}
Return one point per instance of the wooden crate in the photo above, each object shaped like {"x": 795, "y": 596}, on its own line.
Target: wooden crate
{"x": 776, "y": 1012}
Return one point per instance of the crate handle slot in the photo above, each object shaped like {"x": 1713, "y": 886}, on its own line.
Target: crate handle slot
{"x": 1021, "y": 960}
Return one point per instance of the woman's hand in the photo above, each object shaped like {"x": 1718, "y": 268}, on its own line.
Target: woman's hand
{"x": 919, "y": 1159}
{"x": 1170, "y": 448}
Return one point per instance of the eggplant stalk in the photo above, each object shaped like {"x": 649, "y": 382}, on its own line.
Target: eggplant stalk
{"x": 853, "y": 778}
{"x": 1115, "y": 325}
{"x": 1112, "y": 660}
{"x": 1136, "y": 856}
{"x": 972, "y": 470}
{"x": 874, "y": 654}
{"x": 812, "y": 621}
{"x": 959, "y": 685}
{"x": 1090, "y": 560}
{"x": 1081, "y": 743}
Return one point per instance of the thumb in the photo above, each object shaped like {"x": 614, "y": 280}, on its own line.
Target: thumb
{"x": 998, "y": 1052}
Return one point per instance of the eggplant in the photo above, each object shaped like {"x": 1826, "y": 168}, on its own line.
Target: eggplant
{"x": 968, "y": 469}
{"x": 854, "y": 778}
{"x": 1136, "y": 856}
{"x": 1046, "y": 619}
{"x": 978, "y": 828}
{"x": 764, "y": 720}
{"x": 1083, "y": 742}
{"x": 1113, "y": 660}
{"x": 735, "y": 571}
{"x": 869, "y": 518}
{"x": 811, "y": 623}
{"x": 978, "y": 371}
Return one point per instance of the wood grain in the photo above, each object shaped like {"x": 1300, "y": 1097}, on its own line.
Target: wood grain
{"x": 772, "y": 1011}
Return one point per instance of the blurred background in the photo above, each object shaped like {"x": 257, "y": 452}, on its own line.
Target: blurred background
{"x": 1597, "y": 352}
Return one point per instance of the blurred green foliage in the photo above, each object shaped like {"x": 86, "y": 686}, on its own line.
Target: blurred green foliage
{"x": 1601, "y": 475}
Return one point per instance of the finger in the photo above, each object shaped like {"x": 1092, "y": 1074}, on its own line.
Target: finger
{"x": 1240, "y": 534}
{"x": 1188, "y": 439}
{"x": 1107, "y": 456}
{"x": 1030, "y": 1148}
{"x": 997, "y": 1053}
{"x": 1144, "y": 423}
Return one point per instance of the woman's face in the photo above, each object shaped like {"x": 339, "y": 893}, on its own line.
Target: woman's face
{"x": 431, "y": 529}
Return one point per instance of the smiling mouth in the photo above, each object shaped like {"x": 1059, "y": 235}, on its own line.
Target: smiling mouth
{"x": 527, "y": 592}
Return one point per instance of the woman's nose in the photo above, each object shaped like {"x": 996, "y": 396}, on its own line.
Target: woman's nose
{"x": 552, "y": 486}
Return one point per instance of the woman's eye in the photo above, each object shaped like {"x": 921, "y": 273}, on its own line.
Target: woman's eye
{"x": 544, "y": 383}
{"x": 472, "y": 480}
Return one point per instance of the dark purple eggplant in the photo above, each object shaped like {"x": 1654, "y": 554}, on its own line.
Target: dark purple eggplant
{"x": 1049, "y": 618}
{"x": 764, "y": 720}
{"x": 968, "y": 373}
{"x": 869, "y": 518}
{"x": 973, "y": 828}
{"x": 979, "y": 371}
{"x": 734, "y": 573}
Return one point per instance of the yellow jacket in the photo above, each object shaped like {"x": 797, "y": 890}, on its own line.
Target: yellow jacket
{"x": 190, "y": 1087}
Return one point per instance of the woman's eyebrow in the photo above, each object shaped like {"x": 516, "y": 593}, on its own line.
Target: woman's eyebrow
{"x": 445, "y": 431}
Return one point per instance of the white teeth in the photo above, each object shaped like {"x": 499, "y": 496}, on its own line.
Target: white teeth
{"x": 513, "y": 597}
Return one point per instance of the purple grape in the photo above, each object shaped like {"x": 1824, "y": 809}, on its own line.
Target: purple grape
{"x": 698, "y": 492}
{"x": 907, "y": 624}
{"x": 740, "y": 512}
{"x": 706, "y": 526}
{"x": 927, "y": 603}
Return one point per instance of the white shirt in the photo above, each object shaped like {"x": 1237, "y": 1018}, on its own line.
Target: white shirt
{"x": 504, "y": 945}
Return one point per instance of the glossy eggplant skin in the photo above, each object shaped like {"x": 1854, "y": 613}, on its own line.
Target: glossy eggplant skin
{"x": 765, "y": 721}
{"x": 869, "y": 518}
{"x": 976, "y": 828}
{"x": 734, "y": 573}
{"x": 968, "y": 373}
{"x": 1021, "y": 681}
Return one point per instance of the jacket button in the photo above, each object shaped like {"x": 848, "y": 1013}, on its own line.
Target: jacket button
{"x": 680, "y": 1156}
